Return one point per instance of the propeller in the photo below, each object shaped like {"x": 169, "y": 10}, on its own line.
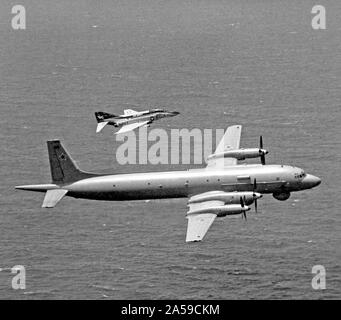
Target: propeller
{"x": 262, "y": 151}
{"x": 254, "y": 193}
{"x": 242, "y": 203}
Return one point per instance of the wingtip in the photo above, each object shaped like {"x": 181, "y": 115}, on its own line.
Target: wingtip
{"x": 192, "y": 241}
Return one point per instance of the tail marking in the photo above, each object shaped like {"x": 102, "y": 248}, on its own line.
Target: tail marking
{"x": 63, "y": 168}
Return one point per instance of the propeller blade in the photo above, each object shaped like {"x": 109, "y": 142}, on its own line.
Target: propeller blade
{"x": 242, "y": 203}
{"x": 262, "y": 159}
{"x": 254, "y": 194}
{"x": 262, "y": 154}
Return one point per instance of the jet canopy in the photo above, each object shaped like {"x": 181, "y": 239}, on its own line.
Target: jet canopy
{"x": 159, "y": 110}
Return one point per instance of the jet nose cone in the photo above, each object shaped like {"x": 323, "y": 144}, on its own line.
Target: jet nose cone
{"x": 311, "y": 181}
{"x": 174, "y": 113}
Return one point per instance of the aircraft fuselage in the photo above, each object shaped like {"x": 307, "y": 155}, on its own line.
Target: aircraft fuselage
{"x": 176, "y": 184}
{"x": 140, "y": 117}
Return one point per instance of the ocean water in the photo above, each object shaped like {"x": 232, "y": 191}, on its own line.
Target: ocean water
{"x": 256, "y": 63}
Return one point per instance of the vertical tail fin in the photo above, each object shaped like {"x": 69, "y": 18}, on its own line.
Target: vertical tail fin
{"x": 103, "y": 119}
{"x": 63, "y": 168}
{"x": 102, "y": 116}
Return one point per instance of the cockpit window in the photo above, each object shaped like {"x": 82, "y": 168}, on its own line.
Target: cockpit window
{"x": 300, "y": 175}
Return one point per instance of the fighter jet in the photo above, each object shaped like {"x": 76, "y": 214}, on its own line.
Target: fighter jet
{"x": 222, "y": 188}
{"x": 131, "y": 119}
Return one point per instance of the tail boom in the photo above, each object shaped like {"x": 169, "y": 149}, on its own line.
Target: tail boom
{"x": 38, "y": 187}
{"x": 53, "y": 193}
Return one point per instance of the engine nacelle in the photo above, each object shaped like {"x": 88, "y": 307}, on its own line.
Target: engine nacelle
{"x": 221, "y": 211}
{"x": 226, "y": 197}
{"x": 239, "y": 154}
{"x": 281, "y": 196}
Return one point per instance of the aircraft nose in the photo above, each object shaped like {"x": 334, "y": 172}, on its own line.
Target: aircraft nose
{"x": 174, "y": 113}
{"x": 311, "y": 181}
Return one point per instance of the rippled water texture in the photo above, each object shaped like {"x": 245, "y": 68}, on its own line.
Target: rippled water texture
{"x": 257, "y": 63}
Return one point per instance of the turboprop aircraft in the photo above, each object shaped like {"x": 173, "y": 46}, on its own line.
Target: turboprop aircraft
{"x": 222, "y": 188}
{"x": 131, "y": 119}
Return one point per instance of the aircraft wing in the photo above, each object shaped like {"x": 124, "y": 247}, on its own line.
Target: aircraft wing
{"x": 130, "y": 112}
{"x": 199, "y": 223}
{"x": 131, "y": 126}
{"x": 230, "y": 141}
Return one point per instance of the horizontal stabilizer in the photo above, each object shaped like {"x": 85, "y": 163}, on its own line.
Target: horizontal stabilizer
{"x": 52, "y": 197}
{"x": 100, "y": 126}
